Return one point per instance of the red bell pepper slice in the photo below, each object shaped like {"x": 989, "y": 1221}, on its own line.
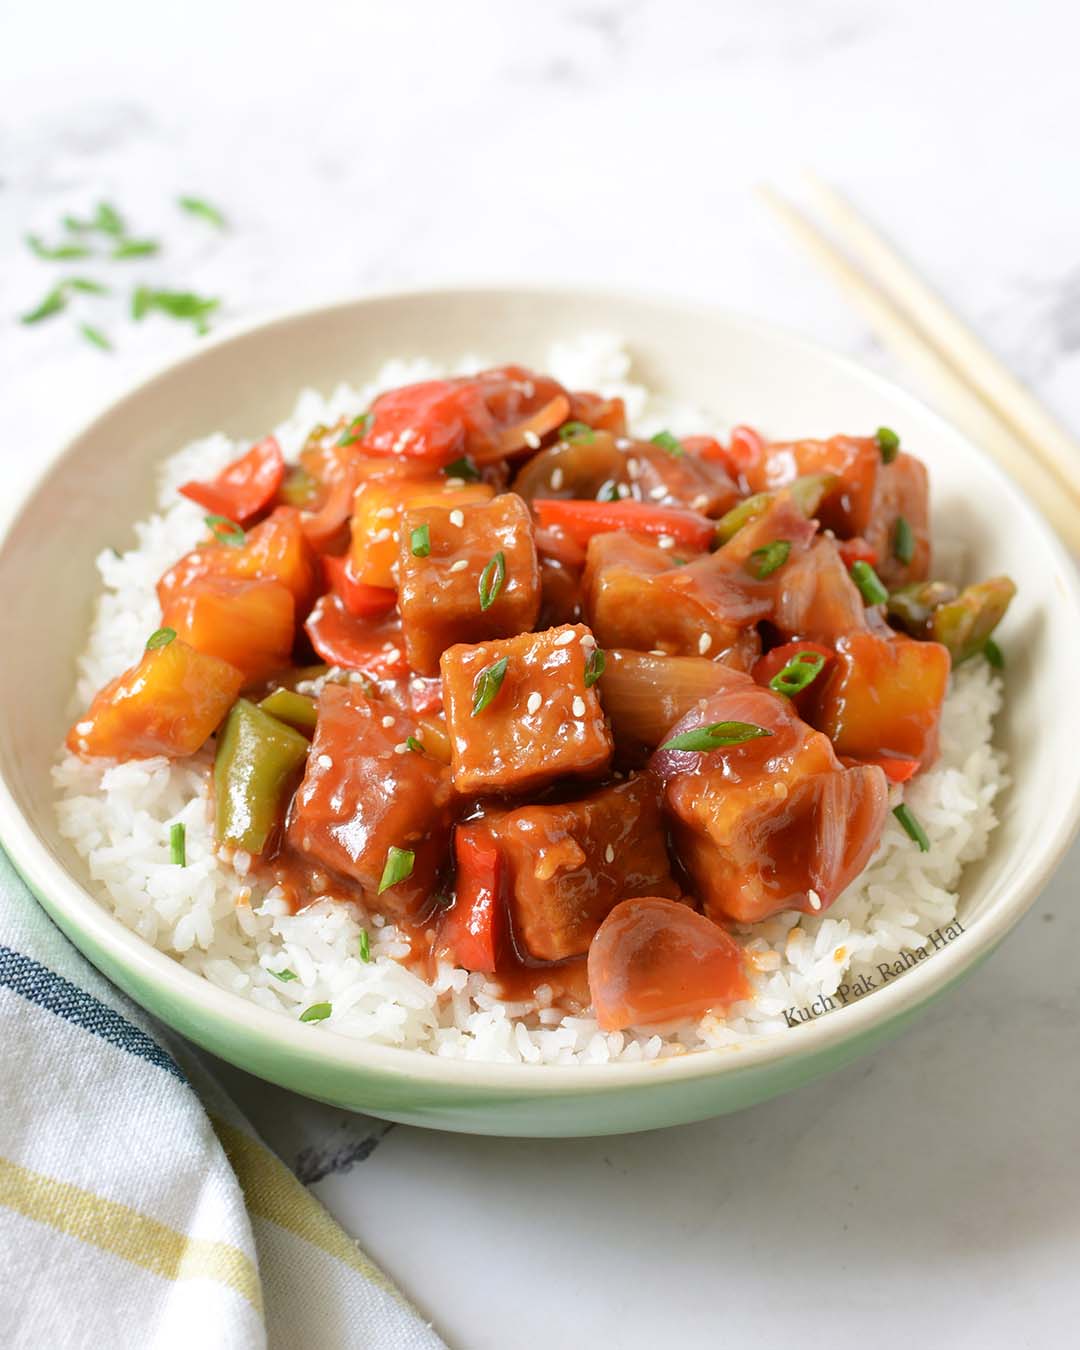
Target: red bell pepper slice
{"x": 361, "y": 600}
{"x": 746, "y": 448}
{"x": 474, "y": 927}
{"x": 897, "y": 770}
{"x": 581, "y": 520}
{"x": 245, "y": 487}
{"x": 709, "y": 449}
{"x": 370, "y": 645}
{"x": 856, "y": 550}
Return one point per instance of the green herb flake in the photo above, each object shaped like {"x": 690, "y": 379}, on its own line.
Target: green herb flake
{"x": 715, "y": 735}
{"x": 178, "y": 844}
{"x": 869, "y": 583}
{"x": 666, "y": 441}
{"x": 464, "y": 469}
{"x": 420, "y": 541}
{"x": 355, "y": 430}
{"x": 488, "y": 684}
{"x": 176, "y": 304}
{"x": 135, "y": 248}
{"x": 888, "y": 443}
{"x": 491, "y": 580}
{"x": 993, "y": 653}
{"x": 609, "y": 492}
{"x": 763, "y": 562}
{"x": 398, "y": 867}
{"x": 53, "y": 303}
{"x": 318, "y": 1012}
{"x": 912, "y": 827}
{"x": 86, "y": 286}
{"x": 95, "y": 336}
{"x": 160, "y": 638}
{"x": 802, "y": 670}
{"x": 903, "y": 541}
{"x": 286, "y": 976}
{"x": 594, "y": 667}
{"x": 577, "y": 431}
{"x": 225, "y": 531}
{"x": 365, "y": 947}
{"x": 198, "y": 206}
{"x": 417, "y": 747}
{"x": 108, "y": 220}
{"x": 57, "y": 252}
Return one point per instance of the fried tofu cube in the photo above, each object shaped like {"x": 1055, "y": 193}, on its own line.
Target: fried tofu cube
{"x": 376, "y": 521}
{"x": 520, "y": 714}
{"x": 366, "y": 792}
{"x": 569, "y": 864}
{"x": 247, "y": 623}
{"x": 169, "y": 703}
{"x": 883, "y": 697}
{"x": 454, "y": 560}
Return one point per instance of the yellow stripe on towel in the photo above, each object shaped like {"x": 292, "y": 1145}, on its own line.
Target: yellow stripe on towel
{"x": 125, "y": 1232}
{"x": 272, "y": 1192}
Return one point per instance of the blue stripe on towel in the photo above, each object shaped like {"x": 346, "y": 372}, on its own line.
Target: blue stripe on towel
{"x": 42, "y": 986}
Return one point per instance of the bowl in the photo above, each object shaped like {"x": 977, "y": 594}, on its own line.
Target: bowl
{"x": 741, "y": 370}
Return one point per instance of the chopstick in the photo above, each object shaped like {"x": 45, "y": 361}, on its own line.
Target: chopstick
{"x": 1055, "y": 489}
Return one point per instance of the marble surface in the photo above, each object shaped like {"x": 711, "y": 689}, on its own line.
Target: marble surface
{"x": 928, "y": 1194}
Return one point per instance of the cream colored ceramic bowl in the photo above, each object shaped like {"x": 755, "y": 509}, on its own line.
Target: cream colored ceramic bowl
{"x": 742, "y": 370}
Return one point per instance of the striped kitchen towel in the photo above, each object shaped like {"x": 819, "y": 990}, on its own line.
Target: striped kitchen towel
{"x": 137, "y": 1206}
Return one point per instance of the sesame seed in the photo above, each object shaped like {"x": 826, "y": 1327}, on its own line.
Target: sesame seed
{"x": 457, "y": 518}
{"x": 83, "y": 727}
{"x": 402, "y": 748}
{"x": 460, "y": 565}
{"x": 533, "y": 704}
{"x": 657, "y": 651}
{"x": 528, "y": 388}
{"x": 388, "y": 721}
{"x": 779, "y": 791}
{"x": 531, "y": 439}
{"x": 452, "y": 483}
{"x": 324, "y": 762}
{"x": 704, "y": 643}
{"x": 609, "y": 854}
{"x": 385, "y": 513}
{"x": 565, "y": 639}
{"x": 578, "y": 706}
{"x": 666, "y": 541}
{"x": 557, "y": 478}
{"x": 633, "y": 468}
{"x": 623, "y": 443}
{"x": 396, "y": 536}
{"x": 380, "y": 535}
{"x": 700, "y": 502}
{"x": 657, "y": 494}
{"x": 587, "y": 640}
{"x": 814, "y": 898}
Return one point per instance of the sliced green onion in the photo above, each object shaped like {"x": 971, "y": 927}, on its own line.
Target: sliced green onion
{"x": 763, "y": 562}
{"x": 417, "y": 747}
{"x": 666, "y": 441}
{"x": 577, "y": 431}
{"x": 355, "y": 429}
{"x": 594, "y": 667}
{"x": 226, "y": 531}
{"x": 318, "y": 1012}
{"x": 802, "y": 670}
{"x": 994, "y": 654}
{"x": 888, "y": 443}
{"x": 903, "y": 541}
{"x": 108, "y": 220}
{"x": 285, "y": 976}
{"x": 86, "y": 285}
{"x": 178, "y": 844}
{"x": 399, "y": 866}
{"x": 196, "y": 206}
{"x": 912, "y": 827}
{"x": 53, "y": 303}
{"x": 491, "y": 580}
{"x": 160, "y": 638}
{"x": 57, "y": 253}
{"x": 869, "y": 583}
{"x": 95, "y": 336}
{"x": 716, "y": 735}
{"x": 136, "y": 248}
{"x": 488, "y": 684}
{"x": 464, "y": 469}
{"x": 365, "y": 946}
{"x": 420, "y": 541}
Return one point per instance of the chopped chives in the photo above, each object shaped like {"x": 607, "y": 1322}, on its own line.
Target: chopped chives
{"x": 594, "y": 667}
{"x": 365, "y": 946}
{"x": 57, "y": 253}
{"x": 764, "y": 561}
{"x": 135, "y": 248}
{"x": 356, "y": 428}
{"x": 161, "y": 637}
{"x": 994, "y": 654}
{"x": 888, "y": 443}
{"x": 420, "y": 541}
{"x": 284, "y": 975}
{"x": 491, "y": 580}
{"x": 488, "y": 684}
{"x": 417, "y": 747}
{"x": 912, "y": 827}
{"x": 178, "y": 844}
{"x": 869, "y": 583}
{"x": 463, "y": 468}
{"x": 399, "y": 866}
{"x": 318, "y": 1012}
{"x": 715, "y": 735}
{"x": 95, "y": 336}
{"x": 577, "y": 431}
{"x": 903, "y": 541}
{"x": 53, "y": 303}
{"x": 666, "y": 441}
{"x": 802, "y": 670}
{"x": 197, "y": 206}
{"x": 225, "y": 531}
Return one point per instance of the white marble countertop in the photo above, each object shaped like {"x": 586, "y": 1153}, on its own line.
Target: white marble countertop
{"x": 929, "y": 1194}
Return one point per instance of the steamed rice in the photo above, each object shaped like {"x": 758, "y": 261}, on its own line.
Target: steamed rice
{"x": 207, "y": 915}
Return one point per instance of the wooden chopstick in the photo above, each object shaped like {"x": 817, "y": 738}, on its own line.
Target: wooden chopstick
{"x": 1035, "y": 426}
{"x": 950, "y": 390}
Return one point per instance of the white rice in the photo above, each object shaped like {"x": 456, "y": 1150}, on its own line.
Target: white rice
{"x": 117, "y": 816}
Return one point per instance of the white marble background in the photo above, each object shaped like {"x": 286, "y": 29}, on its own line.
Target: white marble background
{"x": 930, "y": 1194}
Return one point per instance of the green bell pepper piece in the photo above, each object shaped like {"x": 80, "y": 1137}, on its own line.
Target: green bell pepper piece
{"x": 257, "y": 764}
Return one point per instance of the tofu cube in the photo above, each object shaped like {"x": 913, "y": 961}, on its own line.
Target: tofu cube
{"x": 541, "y": 722}
{"x": 440, "y": 587}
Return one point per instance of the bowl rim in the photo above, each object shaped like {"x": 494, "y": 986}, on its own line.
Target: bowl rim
{"x": 48, "y": 877}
